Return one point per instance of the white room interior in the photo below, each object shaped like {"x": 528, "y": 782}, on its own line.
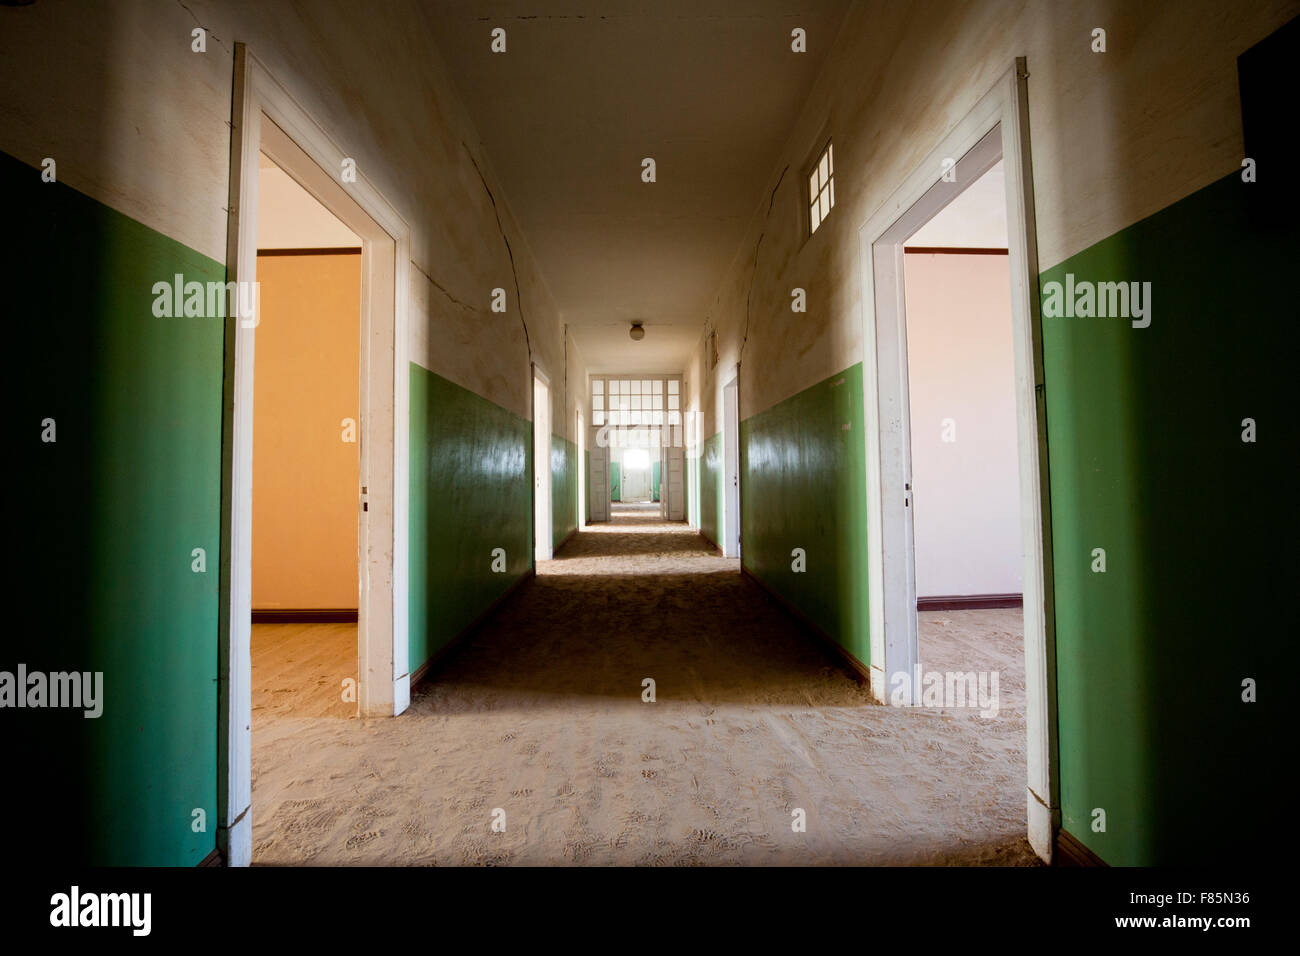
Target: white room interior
{"x": 961, "y": 382}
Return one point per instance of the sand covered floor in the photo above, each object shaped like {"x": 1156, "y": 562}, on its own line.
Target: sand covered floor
{"x": 541, "y": 716}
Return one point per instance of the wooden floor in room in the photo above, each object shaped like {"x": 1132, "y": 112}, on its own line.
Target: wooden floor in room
{"x": 541, "y": 716}
{"x": 299, "y": 670}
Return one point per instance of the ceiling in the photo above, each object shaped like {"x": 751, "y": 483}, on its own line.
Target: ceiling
{"x": 584, "y": 92}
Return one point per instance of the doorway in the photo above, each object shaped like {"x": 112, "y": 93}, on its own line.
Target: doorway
{"x": 579, "y": 430}
{"x": 541, "y": 465}
{"x": 731, "y": 466}
{"x": 636, "y": 478}
{"x": 306, "y": 481}
{"x": 266, "y": 119}
{"x": 961, "y": 423}
{"x": 995, "y": 130}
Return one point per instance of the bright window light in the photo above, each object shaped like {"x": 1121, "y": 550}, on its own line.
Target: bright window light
{"x": 821, "y": 189}
{"x": 636, "y": 459}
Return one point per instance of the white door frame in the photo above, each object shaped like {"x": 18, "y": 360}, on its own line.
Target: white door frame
{"x": 891, "y": 570}
{"x": 544, "y": 543}
{"x": 267, "y": 118}
{"x": 581, "y": 470}
{"x": 731, "y": 465}
{"x": 690, "y": 439}
{"x": 598, "y": 445}
{"x": 598, "y": 479}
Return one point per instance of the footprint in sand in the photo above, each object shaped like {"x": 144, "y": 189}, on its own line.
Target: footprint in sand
{"x": 359, "y": 840}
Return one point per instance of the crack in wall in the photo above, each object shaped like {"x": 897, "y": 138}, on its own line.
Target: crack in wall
{"x": 749, "y": 293}
{"x": 438, "y": 285}
{"x": 519, "y": 299}
{"x": 206, "y": 30}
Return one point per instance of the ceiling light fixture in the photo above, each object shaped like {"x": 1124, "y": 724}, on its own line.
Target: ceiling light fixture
{"x": 636, "y": 332}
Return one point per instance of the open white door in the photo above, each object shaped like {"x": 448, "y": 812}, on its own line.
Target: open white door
{"x": 674, "y": 481}
{"x": 581, "y": 433}
{"x": 998, "y": 127}
{"x": 663, "y": 482}
{"x": 731, "y": 466}
{"x": 265, "y": 117}
{"x": 598, "y": 482}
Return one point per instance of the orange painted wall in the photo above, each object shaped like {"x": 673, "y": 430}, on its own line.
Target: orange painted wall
{"x": 305, "y": 484}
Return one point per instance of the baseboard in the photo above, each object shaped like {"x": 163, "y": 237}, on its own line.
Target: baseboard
{"x": 968, "y": 602}
{"x": 213, "y": 859}
{"x": 313, "y": 251}
{"x": 448, "y": 650}
{"x": 860, "y": 671}
{"x": 1070, "y": 852}
{"x": 324, "y": 615}
{"x": 567, "y": 538}
{"x": 713, "y": 544}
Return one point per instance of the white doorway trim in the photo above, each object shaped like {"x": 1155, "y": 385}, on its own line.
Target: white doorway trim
{"x": 997, "y": 127}
{"x": 267, "y": 118}
{"x": 581, "y": 469}
{"x": 543, "y": 520}
{"x": 731, "y": 465}
{"x": 597, "y": 437}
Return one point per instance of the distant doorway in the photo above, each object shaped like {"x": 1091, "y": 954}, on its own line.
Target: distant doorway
{"x": 731, "y": 467}
{"x": 581, "y": 432}
{"x": 542, "y": 465}
{"x": 636, "y": 476}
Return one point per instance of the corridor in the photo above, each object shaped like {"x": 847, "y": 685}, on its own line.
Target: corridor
{"x": 722, "y": 433}
{"x": 541, "y": 715}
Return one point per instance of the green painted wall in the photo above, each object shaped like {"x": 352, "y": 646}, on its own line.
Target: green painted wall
{"x": 654, "y": 481}
{"x": 1147, "y": 462}
{"x": 564, "y": 489}
{"x": 803, "y": 481}
{"x": 615, "y": 481}
{"x": 471, "y": 492}
{"x": 104, "y": 529}
{"x": 586, "y": 465}
{"x": 711, "y": 506}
